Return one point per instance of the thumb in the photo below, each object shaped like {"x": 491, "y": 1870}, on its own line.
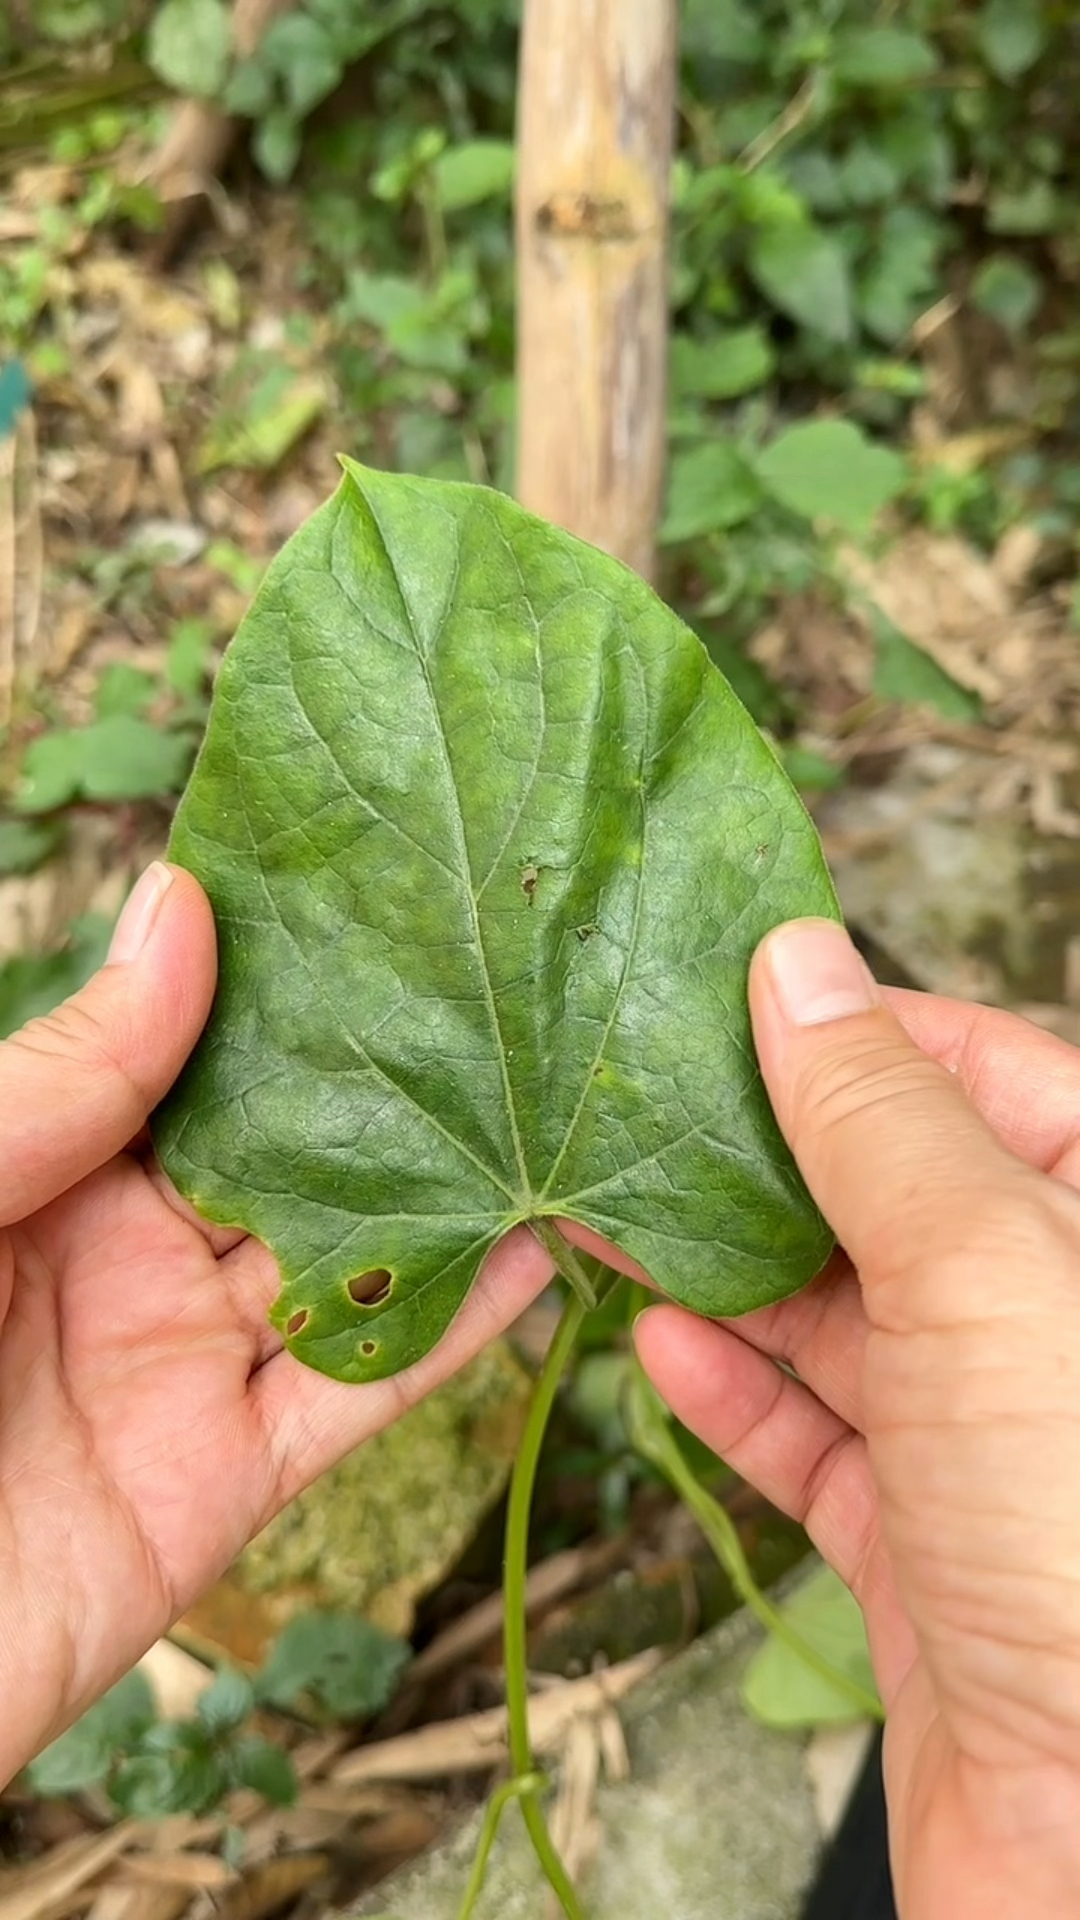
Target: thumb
{"x": 896, "y": 1157}
{"x": 76, "y": 1086}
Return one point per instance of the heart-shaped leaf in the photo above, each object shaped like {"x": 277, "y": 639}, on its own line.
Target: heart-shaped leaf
{"x": 489, "y": 841}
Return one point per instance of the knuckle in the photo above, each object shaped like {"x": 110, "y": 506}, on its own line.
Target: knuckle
{"x": 835, "y": 1090}
{"x": 76, "y": 1035}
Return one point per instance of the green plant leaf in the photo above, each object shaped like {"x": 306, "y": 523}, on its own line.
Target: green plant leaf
{"x": 902, "y": 272}
{"x": 266, "y": 1769}
{"x": 118, "y": 758}
{"x": 183, "y": 1780}
{"x": 829, "y": 470}
{"x": 35, "y": 983}
{"x": 1011, "y": 36}
{"x": 24, "y": 844}
{"x": 189, "y": 45}
{"x": 904, "y": 672}
{"x": 1031, "y": 209}
{"x": 781, "y": 1689}
{"x": 710, "y": 489}
{"x": 882, "y": 57}
{"x": 83, "y": 1756}
{"x": 474, "y": 171}
{"x": 805, "y": 274}
{"x": 346, "y": 1664}
{"x": 722, "y": 368}
{"x": 227, "y": 1702}
{"x": 276, "y": 143}
{"x": 1008, "y": 290}
{"x": 124, "y": 689}
{"x": 302, "y": 51}
{"x": 490, "y": 843}
{"x": 187, "y": 663}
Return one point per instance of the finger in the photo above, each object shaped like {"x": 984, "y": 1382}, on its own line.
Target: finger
{"x": 311, "y": 1423}
{"x": 250, "y": 1275}
{"x": 999, "y": 1058}
{"x": 821, "y": 1333}
{"x": 891, "y": 1148}
{"x": 220, "y": 1240}
{"x": 76, "y": 1086}
{"x": 769, "y": 1427}
{"x": 780, "y": 1438}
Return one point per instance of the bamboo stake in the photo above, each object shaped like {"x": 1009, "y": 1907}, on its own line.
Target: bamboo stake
{"x": 596, "y": 111}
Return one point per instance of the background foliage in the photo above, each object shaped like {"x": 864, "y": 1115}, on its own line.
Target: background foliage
{"x": 875, "y": 262}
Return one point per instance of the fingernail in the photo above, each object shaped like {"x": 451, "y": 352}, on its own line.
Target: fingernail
{"x": 817, "y": 974}
{"x": 132, "y": 930}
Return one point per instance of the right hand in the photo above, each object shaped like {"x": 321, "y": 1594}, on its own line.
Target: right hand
{"x": 931, "y": 1441}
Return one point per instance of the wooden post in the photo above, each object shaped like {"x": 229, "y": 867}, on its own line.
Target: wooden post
{"x": 595, "y": 114}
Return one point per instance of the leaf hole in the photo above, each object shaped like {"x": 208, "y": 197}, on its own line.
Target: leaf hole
{"x": 369, "y": 1347}
{"x": 297, "y": 1322}
{"x": 371, "y": 1289}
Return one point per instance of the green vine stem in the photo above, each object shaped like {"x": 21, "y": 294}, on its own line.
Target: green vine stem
{"x": 572, "y": 1267}
{"x": 511, "y": 1790}
{"x": 515, "y": 1568}
{"x": 653, "y": 1438}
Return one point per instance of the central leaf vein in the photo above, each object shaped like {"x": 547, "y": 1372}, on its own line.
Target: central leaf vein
{"x": 458, "y": 823}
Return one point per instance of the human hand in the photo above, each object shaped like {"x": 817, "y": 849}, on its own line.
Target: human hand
{"x": 931, "y": 1441}
{"x": 150, "y": 1422}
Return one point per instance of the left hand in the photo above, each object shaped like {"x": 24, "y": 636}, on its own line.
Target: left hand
{"x": 150, "y": 1423}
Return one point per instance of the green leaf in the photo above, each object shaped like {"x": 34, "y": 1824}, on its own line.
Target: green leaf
{"x": 189, "y": 45}
{"x": 804, "y": 272}
{"x": 1011, "y": 35}
{"x": 118, "y": 758}
{"x": 722, "y": 30}
{"x": 721, "y": 368}
{"x": 474, "y": 171}
{"x": 882, "y": 57}
{"x": 34, "y": 983}
{"x": 124, "y": 689}
{"x": 152, "y": 1784}
{"x": 809, "y": 770}
{"x": 302, "y": 51}
{"x": 782, "y": 1689}
{"x": 710, "y": 489}
{"x": 829, "y": 470}
{"x": 349, "y": 1666}
{"x": 276, "y": 144}
{"x": 1030, "y": 210}
{"x": 266, "y": 1769}
{"x": 187, "y": 663}
{"x": 277, "y": 413}
{"x": 24, "y": 844}
{"x": 490, "y": 844}
{"x": 1008, "y": 290}
{"x": 83, "y": 1756}
{"x": 227, "y": 1702}
{"x": 903, "y": 672}
{"x": 902, "y": 273}
{"x": 249, "y": 90}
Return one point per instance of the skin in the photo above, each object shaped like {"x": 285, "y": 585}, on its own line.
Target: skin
{"x": 150, "y": 1423}
{"x": 925, "y": 1424}
{"x": 931, "y": 1439}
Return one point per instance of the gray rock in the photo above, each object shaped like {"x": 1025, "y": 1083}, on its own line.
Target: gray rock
{"x": 717, "y": 1821}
